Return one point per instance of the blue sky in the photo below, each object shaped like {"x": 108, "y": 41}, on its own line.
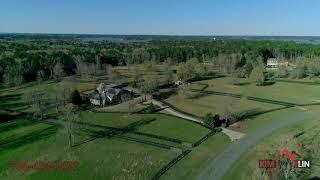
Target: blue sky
{"x": 170, "y": 17}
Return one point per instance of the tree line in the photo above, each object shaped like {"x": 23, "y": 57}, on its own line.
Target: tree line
{"x": 29, "y": 60}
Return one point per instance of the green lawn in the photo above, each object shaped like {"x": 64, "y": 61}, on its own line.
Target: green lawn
{"x": 281, "y": 91}
{"x": 216, "y": 104}
{"x": 102, "y": 158}
{"x": 163, "y": 125}
{"x": 251, "y": 124}
{"x": 116, "y": 158}
{"x": 196, "y": 161}
{"x": 174, "y": 127}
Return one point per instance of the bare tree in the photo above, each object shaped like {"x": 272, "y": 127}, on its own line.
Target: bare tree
{"x": 113, "y": 74}
{"x": 70, "y": 115}
{"x": 12, "y": 76}
{"x": 131, "y": 106}
{"x": 58, "y": 71}
{"x": 137, "y": 75}
{"x": 36, "y": 100}
{"x": 40, "y": 76}
{"x": 150, "y": 83}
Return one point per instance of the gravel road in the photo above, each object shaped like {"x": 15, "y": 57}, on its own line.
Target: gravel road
{"x": 224, "y": 161}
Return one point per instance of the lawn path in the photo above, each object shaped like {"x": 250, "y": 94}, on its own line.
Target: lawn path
{"x": 174, "y": 112}
{"x": 224, "y": 161}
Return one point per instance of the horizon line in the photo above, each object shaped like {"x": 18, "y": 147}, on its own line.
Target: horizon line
{"x": 133, "y": 34}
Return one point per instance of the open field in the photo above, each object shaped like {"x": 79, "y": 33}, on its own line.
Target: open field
{"x": 163, "y": 125}
{"x": 281, "y": 91}
{"x": 216, "y": 104}
{"x": 123, "y": 157}
{"x": 199, "y": 158}
{"x": 41, "y": 142}
{"x": 119, "y": 145}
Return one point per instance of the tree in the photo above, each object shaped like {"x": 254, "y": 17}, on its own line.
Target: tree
{"x": 190, "y": 69}
{"x": 12, "y": 76}
{"x": 282, "y": 71}
{"x": 169, "y": 76}
{"x": 216, "y": 120}
{"x": 248, "y": 69}
{"x": 113, "y": 74}
{"x": 313, "y": 67}
{"x": 131, "y": 106}
{"x": 137, "y": 76}
{"x": 209, "y": 121}
{"x": 140, "y": 55}
{"x": 70, "y": 115}
{"x": 36, "y": 101}
{"x": 150, "y": 83}
{"x": 257, "y": 76}
{"x": 182, "y": 72}
{"x": 200, "y": 69}
{"x": 147, "y": 65}
{"x": 40, "y": 76}
{"x": 76, "y": 98}
{"x": 300, "y": 71}
{"x": 58, "y": 72}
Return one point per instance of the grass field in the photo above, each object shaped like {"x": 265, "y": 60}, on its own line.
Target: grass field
{"x": 281, "y": 91}
{"x": 191, "y": 166}
{"x": 40, "y": 142}
{"x": 24, "y": 140}
{"x": 216, "y": 104}
{"x": 114, "y": 157}
{"x": 163, "y": 125}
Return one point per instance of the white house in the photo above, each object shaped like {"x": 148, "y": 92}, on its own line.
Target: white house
{"x": 275, "y": 63}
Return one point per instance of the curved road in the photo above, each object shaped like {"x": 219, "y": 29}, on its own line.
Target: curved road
{"x": 224, "y": 161}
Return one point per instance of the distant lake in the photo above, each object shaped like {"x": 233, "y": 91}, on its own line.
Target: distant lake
{"x": 145, "y": 38}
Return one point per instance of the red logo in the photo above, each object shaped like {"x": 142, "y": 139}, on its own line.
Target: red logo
{"x": 282, "y": 155}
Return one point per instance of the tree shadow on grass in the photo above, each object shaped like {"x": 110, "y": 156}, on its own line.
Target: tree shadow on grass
{"x": 242, "y": 83}
{"x": 240, "y": 116}
{"x": 6, "y": 117}
{"x": 10, "y": 97}
{"x": 12, "y": 102}
{"x": 109, "y": 132}
{"x": 164, "y": 94}
{"x": 207, "y": 77}
{"x": 16, "y": 142}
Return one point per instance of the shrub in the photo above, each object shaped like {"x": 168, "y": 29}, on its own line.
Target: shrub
{"x": 151, "y": 108}
{"x": 209, "y": 120}
{"x": 300, "y": 71}
{"x": 313, "y": 68}
{"x": 282, "y": 71}
{"x": 200, "y": 69}
{"x": 76, "y": 98}
{"x": 248, "y": 69}
{"x": 257, "y": 76}
{"x": 240, "y": 73}
{"x": 216, "y": 120}
{"x": 224, "y": 125}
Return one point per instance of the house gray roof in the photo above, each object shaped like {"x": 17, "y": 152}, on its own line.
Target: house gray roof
{"x": 112, "y": 92}
{"x": 97, "y": 96}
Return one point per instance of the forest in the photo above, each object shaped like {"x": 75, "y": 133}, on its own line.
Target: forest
{"x": 25, "y": 60}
